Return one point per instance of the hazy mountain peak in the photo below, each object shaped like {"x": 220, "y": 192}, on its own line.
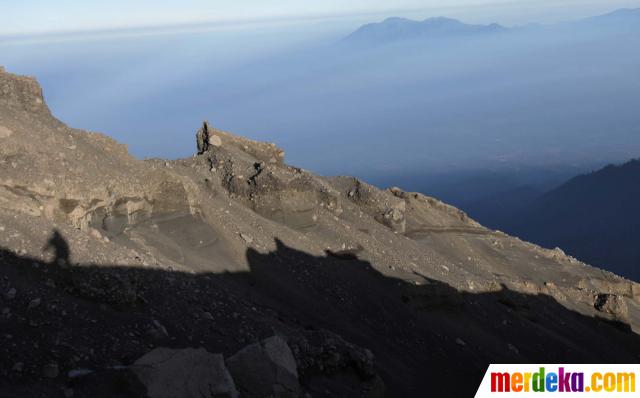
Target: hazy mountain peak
{"x": 392, "y": 20}
{"x": 397, "y": 29}
{"x": 442, "y": 20}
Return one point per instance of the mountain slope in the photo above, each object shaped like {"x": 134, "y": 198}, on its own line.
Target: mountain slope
{"x": 377, "y": 292}
{"x": 398, "y": 29}
{"x": 593, "y": 217}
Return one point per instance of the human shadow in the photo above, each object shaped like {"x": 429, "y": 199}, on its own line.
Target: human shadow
{"x": 428, "y": 339}
{"x": 61, "y": 252}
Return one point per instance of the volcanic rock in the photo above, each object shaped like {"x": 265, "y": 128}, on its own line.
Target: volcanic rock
{"x": 186, "y": 373}
{"x": 266, "y": 369}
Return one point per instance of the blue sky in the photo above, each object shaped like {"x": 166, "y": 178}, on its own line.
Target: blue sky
{"x": 41, "y": 16}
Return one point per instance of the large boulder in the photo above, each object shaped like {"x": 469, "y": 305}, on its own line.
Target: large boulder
{"x": 186, "y": 373}
{"x": 266, "y": 369}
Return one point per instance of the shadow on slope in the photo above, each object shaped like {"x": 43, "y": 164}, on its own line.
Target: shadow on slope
{"x": 428, "y": 339}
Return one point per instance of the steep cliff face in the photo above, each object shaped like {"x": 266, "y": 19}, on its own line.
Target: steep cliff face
{"x": 228, "y": 247}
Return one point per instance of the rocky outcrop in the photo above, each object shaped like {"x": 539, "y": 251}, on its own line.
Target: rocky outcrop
{"x": 65, "y": 175}
{"x": 21, "y": 93}
{"x": 202, "y": 138}
{"x": 383, "y": 206}
{"x": 613, "y": 305}
{"x": 254, "y": 173}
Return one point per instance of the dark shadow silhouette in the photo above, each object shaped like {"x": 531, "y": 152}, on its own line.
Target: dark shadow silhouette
{"x": 428, "y": 339}
{"x": 60, "y": 248}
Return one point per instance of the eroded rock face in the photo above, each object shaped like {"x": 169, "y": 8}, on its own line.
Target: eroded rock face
{"x": 266, "y": 369}
{"x": 385, "y": 207}
{"x": 612, "y": 304}
{"x": 85, "y": 179}
{"x": 21, "y": 93}
{"x": 292, "y": 202}
{"x": 287, "y": 195}
{"x": 186, "y": 373}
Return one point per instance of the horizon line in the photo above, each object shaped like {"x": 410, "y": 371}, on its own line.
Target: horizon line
{"x": 214, "y": 24}
{"x": 209, "y": 22}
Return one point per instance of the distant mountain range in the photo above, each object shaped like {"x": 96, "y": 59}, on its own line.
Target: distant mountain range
{"x": 399, "y": 29}
{"x": 396, "y": 29}
{"x": 594, "y": 217}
